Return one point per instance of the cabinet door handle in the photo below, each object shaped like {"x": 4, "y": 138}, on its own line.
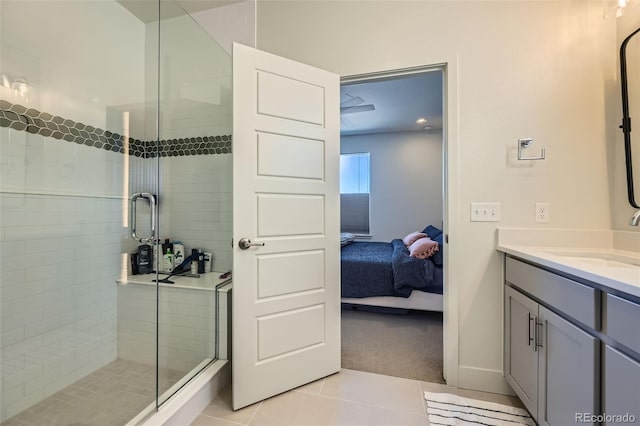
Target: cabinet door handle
{"x": 530, "y": 318}
{"x": 538, "y": 333}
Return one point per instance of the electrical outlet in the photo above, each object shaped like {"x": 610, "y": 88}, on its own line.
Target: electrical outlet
{"x": 485, "y": 212}
{"x": 543, "y": 212}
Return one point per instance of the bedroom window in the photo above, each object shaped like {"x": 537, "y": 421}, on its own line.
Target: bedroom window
{"x": 354, "y": 193}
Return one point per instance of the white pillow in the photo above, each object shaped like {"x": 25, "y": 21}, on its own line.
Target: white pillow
{"x": 346, "y": 238}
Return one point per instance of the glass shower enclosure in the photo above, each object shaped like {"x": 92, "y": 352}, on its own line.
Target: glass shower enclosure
{"x": 115, "y": 163}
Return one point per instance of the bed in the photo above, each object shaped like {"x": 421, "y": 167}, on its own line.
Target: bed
{"x": 383, "y": 274}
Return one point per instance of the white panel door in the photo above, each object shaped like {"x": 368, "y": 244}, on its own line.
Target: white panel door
{"x": 286, "y": 292}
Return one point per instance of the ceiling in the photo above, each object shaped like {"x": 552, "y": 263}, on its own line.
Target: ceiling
{"x": 147, "y": 10}
{"x": 398, "y": 101}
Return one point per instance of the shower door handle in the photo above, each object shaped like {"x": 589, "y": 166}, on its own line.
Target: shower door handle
{"x": 152, "y": 205}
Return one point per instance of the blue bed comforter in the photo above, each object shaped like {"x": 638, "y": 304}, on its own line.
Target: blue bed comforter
{"x": 386, "y": 269}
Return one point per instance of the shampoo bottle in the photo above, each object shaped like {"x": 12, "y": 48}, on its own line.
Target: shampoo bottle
{"x": 201, "y": 261}
{"x": 178, "y": 253}
{"x": 194, "y": 261}
{"x": 145, "y": 259}
{"x": 157, "y": 261}
{"x": 208, "y": 261}
{"x": 167, "y": 245}
{"x": 168, "y": 261}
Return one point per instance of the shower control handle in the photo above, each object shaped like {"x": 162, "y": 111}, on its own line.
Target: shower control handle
{"x": 245, "y": 243}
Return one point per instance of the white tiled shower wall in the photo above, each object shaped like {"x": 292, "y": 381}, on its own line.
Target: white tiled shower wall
{"x": 195, "y": 204}
{"x": 195, "y": 191}
{"x": 186, "y": 326}
{"x": 59, "y": 256}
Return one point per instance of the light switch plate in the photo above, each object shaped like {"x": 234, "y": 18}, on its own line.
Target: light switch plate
{"x": 485, "y": 212}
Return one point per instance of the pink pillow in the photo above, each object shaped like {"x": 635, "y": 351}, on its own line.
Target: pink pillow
{"x": 423, "y": 248}
{"x": 412, "y": 238}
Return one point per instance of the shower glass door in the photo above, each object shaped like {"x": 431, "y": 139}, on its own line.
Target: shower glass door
{"x": 194, "y": 163}
{"x": 76, "y": 80}
{"x": 107, "y": 108}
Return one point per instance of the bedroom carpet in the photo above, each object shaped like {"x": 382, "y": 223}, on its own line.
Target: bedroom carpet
{"x": 408, "y": 346}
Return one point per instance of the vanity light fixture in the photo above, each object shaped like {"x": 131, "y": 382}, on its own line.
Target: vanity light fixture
{"x": 620, "y": 7}
{"x": 615, "y": 8}
{"x": 421, "y": 120}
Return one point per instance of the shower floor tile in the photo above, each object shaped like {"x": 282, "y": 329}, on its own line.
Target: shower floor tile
{"x": 110, "y": 396}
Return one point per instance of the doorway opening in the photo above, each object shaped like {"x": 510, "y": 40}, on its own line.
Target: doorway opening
{"x": 392, "y": 185}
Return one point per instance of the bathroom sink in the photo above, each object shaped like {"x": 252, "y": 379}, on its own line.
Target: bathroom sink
{"x": 598, "y": 258}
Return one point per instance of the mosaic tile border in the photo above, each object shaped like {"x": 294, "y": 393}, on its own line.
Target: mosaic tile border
{"x": 205, "y": 145}
{"x": 21, "y": 118}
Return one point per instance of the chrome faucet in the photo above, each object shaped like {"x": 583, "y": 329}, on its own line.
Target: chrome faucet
{"x": 635, "y": 219}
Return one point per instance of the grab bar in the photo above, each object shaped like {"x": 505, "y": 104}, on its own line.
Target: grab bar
{"x": 152, "y": 204}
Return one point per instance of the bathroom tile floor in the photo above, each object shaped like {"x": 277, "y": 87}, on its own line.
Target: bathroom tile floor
{"x": 112, "y": 395}
{"x": 347, "y": 398}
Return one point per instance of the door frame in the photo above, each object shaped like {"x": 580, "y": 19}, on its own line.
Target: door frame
{"x": 450, "y": 202}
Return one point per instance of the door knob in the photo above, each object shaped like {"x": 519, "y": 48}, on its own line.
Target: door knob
{"x": 245, "y": 243}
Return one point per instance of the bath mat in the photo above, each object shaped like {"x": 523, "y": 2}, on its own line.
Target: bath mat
{"x": 448, "y": 409}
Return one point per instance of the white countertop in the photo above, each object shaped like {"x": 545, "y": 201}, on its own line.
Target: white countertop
{"x": 206, "y": 282}
{"x": 582, "y": 259}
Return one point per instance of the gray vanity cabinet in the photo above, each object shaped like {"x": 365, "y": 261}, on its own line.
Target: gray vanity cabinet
{"x": 621, "y": 363}
{"x": 521, "y": 357}
{"x": 551, "y": 364}
{"x": 569, "y": 363}
{"x": 621, "y": 387}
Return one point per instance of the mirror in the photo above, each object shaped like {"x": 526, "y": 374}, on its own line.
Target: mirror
{"x": 630, "y": 80}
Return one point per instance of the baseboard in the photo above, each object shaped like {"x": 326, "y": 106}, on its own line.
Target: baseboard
{"x": 484, "y": 380}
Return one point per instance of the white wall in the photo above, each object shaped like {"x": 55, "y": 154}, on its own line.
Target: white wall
{"x": 406, "y": 181}
{"x": 516, "y": 69}
{"x": 195, "y": 80}
{"x": 231, "y": 23}
{"x": 79, "y": 57}
{"x": 621, "y": 209}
